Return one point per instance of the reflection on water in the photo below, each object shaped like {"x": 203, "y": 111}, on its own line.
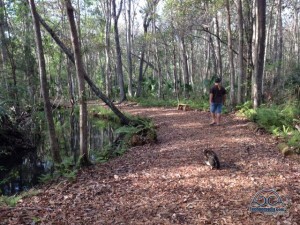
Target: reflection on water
{"x": 67, "y": 126}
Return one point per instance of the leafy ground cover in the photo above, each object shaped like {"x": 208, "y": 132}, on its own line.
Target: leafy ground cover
{"x": 168, "y": 182}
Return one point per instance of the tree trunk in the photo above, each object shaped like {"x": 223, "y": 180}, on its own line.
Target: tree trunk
{"x": 108, "y": 89}
{"x": 175, "y": 74}
{"x": 119, "y": 65}
{"x": 44, "y": 86}
{"x": 129, "y": 48}
{"x": 296, "y": 32}
{"x": 124, "y": 120}
{"x": 219, "y": 57}
{"x": 186, "y": 78}
{"x": 8, "y": 57}
{"x": 3, "y": 29}
{"x": 241, "y": 75}
{"x": 230, "y": 54}
{"x": 84, "y": 158}
{"x": 248, "y": 27}
{"x": 214, "y": 58}
{"x": 146, "y": 23}
{"x": 279, "y": 57}
{"x": 158, "y": 64}
{"x": 260, "y": 34}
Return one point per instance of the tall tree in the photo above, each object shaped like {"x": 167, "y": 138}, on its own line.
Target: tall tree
{"x": 124, "y": 120}
{"x": 108, "y": 85}
{"x": 44, "y": 86}
{"x": 279, "y": 44}
{"x": 230, "y": 53}
{"x": 129, "y": 46}
{"x": 157, "y": 59}
{"x": 219, "y": 57}
{"x": 241, "y": 75}
{"x": 8, "y": 58}
{"x": 81, "y": 87}
{"x": 260, "y": 34}
{"x": 185, "y": 68}
{"x": 146, "y": 22}
{"x": 248, "y": 26}
{"x": 119, "y": 65}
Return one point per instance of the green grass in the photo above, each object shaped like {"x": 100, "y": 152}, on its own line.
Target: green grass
{"x": 154, "y": 102}
{"x": 12, "y": 201}
{"x": 194, "y": 103}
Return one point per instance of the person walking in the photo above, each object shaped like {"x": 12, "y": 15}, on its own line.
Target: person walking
{"x": 217, "y": 98}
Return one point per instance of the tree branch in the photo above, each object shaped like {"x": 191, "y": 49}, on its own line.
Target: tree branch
{"x": 95, "y": 89}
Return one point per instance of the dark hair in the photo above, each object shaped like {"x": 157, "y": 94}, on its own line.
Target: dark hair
{"x": 218, "y": 80}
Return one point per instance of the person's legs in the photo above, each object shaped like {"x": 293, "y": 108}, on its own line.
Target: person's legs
{"x": 213, "y": 118}
{"x": 212, "y": 113}
{"x": 218, "y": 113}
{"x": 218, "y": 118}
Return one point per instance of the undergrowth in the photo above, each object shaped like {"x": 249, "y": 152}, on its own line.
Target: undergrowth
{"x": 12, "y": 201}
{"x": 141, "y": 131}
{"x": 66, "y": 169}
{"x": 280, "y": 120}
{"x": 193, "y": 102}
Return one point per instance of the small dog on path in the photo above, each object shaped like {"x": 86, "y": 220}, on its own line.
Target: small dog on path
{"x": 211, "y": 159}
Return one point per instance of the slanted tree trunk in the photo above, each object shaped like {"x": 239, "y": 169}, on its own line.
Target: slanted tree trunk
{"x": 84, "y": 158}
{"x": 119, "y": 65}
{"x": 124, "y": 120}
{"x": 44, "y": 86}
{"x": 260, "y": 34}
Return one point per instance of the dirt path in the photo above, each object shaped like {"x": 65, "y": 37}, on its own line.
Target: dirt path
{"x": 168, "y": 183}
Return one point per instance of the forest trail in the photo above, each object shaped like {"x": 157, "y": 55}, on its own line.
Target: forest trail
{"x": 168, "y": 182}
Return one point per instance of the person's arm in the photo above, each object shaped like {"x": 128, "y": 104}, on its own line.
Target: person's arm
{"x": 224, "y": 96}
{"x": 224, "y": 99}
{"x": 210, "y": 98}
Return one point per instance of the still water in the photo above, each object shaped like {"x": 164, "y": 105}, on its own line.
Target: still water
{"x": 26, "y": 175}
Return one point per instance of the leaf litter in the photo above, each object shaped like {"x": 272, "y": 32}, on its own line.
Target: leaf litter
{"x": 168, "y": 182}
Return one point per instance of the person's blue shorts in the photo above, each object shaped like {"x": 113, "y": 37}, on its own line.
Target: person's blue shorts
{"x": 216, "y": 108}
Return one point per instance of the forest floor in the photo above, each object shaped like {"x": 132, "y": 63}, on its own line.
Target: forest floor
{"x": 168, "y": 182}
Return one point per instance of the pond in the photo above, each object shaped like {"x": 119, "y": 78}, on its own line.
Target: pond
{"x": 27, "y": 173}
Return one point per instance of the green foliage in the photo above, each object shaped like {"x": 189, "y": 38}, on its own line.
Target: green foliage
{"x": 66, "y": 169}
{"x": 9, "y": 200}
{"x": 269, "y": 117}
{"x": 277, "y": 119}
{"x": 247, "y": 110}
{"x": 104, "y": 114}
{"x": 295, "y": 140}
{"x": 154, "y": 102}
{"x": 194, "y": 102}
{"x": 13, "y": 200}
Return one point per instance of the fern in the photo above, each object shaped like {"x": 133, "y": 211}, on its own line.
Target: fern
{"x": 10, "y": 200}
